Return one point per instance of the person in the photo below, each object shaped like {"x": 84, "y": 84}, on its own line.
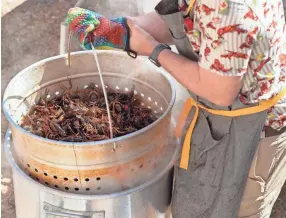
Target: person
{"x": 234, "y": 67}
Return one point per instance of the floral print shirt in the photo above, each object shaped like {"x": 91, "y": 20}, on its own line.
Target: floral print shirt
{"x": 243, "y": 37}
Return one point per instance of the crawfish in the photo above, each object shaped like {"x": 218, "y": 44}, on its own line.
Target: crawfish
{"x": 235, "y": 54}
{"x": 266, "y": 11}
{"x": 261, "y": 65}
{"x": 211, "y": 25}
{"x": 244, "y": 45}
{"x": 251, "y": 15}
{"x": 219, "y": 67}
{"x": 231, "y": 29}
{"x": 216, "y": 43}
{"x": 207, "y": 52}
{"x": 207, "y": 10}
{"x": 250, "y": 36}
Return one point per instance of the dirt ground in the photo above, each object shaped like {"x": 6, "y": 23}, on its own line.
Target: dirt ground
{"x": 31, "y": 32}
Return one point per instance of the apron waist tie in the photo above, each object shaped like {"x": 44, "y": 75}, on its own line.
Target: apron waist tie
{"x": 263, "y": 105}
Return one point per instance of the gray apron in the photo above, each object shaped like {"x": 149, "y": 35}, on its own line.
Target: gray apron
{"x": 222, "y": 148}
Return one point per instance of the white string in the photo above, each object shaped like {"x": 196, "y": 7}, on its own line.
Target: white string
{"x": 104, "y": 93}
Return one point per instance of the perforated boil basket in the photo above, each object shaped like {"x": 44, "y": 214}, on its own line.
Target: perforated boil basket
{"x": 94, "y": 169}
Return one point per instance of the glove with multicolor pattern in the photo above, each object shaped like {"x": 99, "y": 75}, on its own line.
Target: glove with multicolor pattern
{"x": 90, "y": 27}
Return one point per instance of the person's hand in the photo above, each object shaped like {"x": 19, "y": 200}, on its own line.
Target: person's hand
{"x": 90, "y": 27}
{"x": 140, "y": 41}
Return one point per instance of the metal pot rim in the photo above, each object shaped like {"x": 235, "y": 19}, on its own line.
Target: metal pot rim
{"x": 114, "y": 140}
{"x": 14, "y": 165}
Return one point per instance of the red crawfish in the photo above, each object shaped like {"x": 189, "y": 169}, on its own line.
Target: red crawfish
{"x": 216, "y": 43}
{"x": 274, "y": 42}
{"x": 251, "y": 15}
{"x": 207, "y": 10}
{"x": 207, "y": 52}
{"x": 250, "y": 39}
{"x": 219, "y": 67}
{"x": 280, "y": 121}
{"x": 264, "y": 4}
{"x": 261, "y": 65}
{"x": 195, "y": 46}
{"x": 244, "y": 45}
{"x": 266, "y": 11}
{"x": 250, "y": 36}
{"x": 189, "y": 25}
{"x": 198, "y": 9}
{"x": 234, "y": 54}
{"x": 216, "y": 20}
{"x": 242, "y": 70}
{"x": 231, "y": 29}
{"x": 203, "y": 31}
{"x": 264, "y": 87}
{"x": 273, "y": 24}
{"x": 211, "y": 25}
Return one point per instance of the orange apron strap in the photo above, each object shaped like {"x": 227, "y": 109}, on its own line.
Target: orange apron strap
{"x": 183, "y": 116}
{"x": 187, "y": 142}
{"x": 191, "y": 4}
{"x": 264, "y": 105}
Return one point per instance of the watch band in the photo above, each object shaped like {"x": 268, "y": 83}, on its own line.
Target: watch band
{"x": 154, "y": 56}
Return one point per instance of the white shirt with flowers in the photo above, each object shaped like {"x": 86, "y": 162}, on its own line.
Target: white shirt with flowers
{"x": 244, "y": 37}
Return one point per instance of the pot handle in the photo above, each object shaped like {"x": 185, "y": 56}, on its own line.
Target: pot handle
{"x": 52, "y": 211}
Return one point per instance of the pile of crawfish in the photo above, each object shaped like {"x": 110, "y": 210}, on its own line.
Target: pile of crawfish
{"x": 81, "y": 115}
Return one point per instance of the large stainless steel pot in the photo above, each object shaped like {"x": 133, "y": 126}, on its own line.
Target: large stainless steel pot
{"x": 92, "y": 167}
{"x": 94, "y": 170}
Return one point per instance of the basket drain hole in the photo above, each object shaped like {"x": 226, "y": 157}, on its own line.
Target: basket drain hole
{"x": 55, "y": 177}
{"x": 66, "y": 179}
{"x": 87, "y": 179}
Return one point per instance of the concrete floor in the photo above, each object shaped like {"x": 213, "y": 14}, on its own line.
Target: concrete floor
{"x": 30, "y": 33}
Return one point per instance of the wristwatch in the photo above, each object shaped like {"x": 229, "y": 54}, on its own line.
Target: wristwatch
{"x": 154, "y": 56}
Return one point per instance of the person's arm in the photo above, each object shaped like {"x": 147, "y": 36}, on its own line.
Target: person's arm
{"x": 219, "y": 74}
{"x": 155, "y": 26}
{"x": 218, "y": 89}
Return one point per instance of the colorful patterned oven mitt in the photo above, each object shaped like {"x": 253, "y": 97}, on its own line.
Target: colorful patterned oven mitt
{"x": 90, "y": 27}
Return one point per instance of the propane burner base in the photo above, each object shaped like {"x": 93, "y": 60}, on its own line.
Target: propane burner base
{"x": 35, "y": 200}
